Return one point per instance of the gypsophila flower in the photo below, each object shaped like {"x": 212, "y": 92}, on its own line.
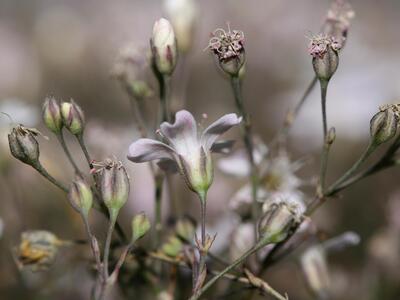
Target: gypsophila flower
{"x": 185, "y": 148}
{"x": 228, "y": 48}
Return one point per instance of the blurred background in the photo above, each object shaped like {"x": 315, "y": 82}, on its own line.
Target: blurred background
{"x": 68, "y": 48}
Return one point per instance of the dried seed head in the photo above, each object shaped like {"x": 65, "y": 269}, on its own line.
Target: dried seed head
{"x": 383, "y": 125}
{"x": 23, "y": 144}
{"x": 37, "y": 250}
{"x": 114, "y": 184}
{"x": 324, "y": 50}
{"x": 52, "y": 115}
{"x": 228, "y": 48}
{"x": 73, "y": 117}
{"x": 80, "y": 195}
{"x": 163, "y": 47}
{"x": 140, "y": 226}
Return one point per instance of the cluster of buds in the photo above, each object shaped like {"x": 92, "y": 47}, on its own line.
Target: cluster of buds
{"x": 383, "y": 125}
{"x": 68, "y": 115}
{"x": 114, "y": 184}
{"x": 163, "y": 47}
{"x": 228, "y": 48}
{"x": 37, "y": 250}
{"x": 23, "y": 144}
{"x": 324, "y": 50}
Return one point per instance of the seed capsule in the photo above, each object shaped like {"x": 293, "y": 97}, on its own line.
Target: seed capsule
{"x": 23, "y": 144}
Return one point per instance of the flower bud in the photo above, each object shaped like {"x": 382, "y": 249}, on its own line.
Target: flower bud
{"x": 73, "y": 117}
{"x": 52, "y": 115}
{"x": 172, "y": 247}
{"x": 114, "y": 185}
{"x": 140, "y": 226}
{"x": 315, "y": 270}
{"x": 228, "y": 48}
{"x": 383, "y": 126}
{"x": 182, "y": 14}
{"x": 163, "y": 47}
{"x": 324, "y": 51}
{"x": 23, "y": 144}
{"x": 37, "y": 250}
{"x": 276, "y": 223}
{"x": 185, "y": 228}
{"x": 80, "y": 196}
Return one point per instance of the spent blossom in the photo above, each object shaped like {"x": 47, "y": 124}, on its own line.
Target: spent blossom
{"x": 185, "y": 148}
{"x": 228, "y": 48}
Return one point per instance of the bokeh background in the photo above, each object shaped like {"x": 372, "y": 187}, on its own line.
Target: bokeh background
{"x": 67, "y": 49}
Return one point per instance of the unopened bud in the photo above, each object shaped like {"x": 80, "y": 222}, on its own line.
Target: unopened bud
{"x": 183, "y": 14}
{"x": 114, "y": 185}
{"x": 275, "y": 224}
{"x": 185, "y": 228}
{"x": 81, "y": 197}
{"x": 172, "y": 247}
{"x": 140, "y": 226}
{"x": 383, "y": 126}
{"x": 52, "y": 115}
{"x": 324, "y": 51}
{"x": 315, "y": 270}
{"x": 228, "y": 48}
{"x": 163, "y": 47}
{"x": 330, "y": 138}
{"x": 23, "y": 144}
{"x": 73, "y": 117}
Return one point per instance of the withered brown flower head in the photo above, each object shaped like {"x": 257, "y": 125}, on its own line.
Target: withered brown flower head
{"x": 228, "y": 48}
{"x": 320, "y": 44}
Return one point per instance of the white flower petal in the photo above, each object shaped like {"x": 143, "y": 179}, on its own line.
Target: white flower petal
{"x": 147, "y": 149}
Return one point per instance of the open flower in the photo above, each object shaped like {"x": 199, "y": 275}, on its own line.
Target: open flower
{"x": 185, "y": 148}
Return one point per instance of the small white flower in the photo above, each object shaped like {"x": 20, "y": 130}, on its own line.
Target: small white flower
{"x": 185, "y": 149}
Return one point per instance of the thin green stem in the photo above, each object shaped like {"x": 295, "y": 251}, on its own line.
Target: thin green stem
{"x": 38, "y": 167}
{"x": 221, "y": 274}
{"x": 326, "y": 143}
{"x": 354, "y": 168}
{"x": 164, "y": 83}
{"x": 82, "y": 144}
{"x": 113, "y": 219}
{"x": 324, "y": 89}
{"x": 248, "y": 142}
{"x": 61, "y": 140}
{"x": 157, "y": 210}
